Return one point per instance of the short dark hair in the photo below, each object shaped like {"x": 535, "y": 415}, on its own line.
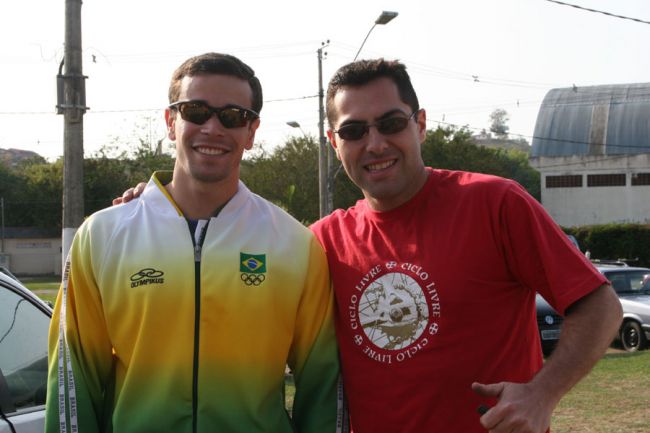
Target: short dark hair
{"x": 216, "y": 63}
{"x": 364, "y": 71}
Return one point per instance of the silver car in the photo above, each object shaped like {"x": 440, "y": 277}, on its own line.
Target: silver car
{"x": 633, "y": 288}
{"x": 24, "y": 324}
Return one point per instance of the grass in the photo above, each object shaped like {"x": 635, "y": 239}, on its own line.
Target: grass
{"x": 289, "y": 392}
{"x": 613, "y": 398}
{"x": 45, "y": 287}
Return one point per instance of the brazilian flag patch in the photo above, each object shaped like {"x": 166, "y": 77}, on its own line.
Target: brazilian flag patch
{"x": 252, "y": 263}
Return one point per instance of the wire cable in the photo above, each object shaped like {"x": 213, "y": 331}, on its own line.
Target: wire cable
{"x": 599, "y": 12}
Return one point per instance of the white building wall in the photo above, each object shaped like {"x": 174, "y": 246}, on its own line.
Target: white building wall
{"x": 577, "y": 206}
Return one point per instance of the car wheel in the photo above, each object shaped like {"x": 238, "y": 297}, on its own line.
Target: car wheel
{"x": 632, "y": 337}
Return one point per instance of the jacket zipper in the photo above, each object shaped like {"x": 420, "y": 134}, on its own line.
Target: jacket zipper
{"x": 198, "y": 244}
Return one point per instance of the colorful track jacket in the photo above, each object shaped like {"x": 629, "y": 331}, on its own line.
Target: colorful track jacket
{"x": 156, "y": 330}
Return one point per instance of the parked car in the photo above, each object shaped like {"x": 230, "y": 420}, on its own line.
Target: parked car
{"x": 549, "y": 323}
{"x": 632, "y": 285}
{"x": 24, "y": 324}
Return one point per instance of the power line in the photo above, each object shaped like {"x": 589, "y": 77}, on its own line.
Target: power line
{"x": 463, "y": 76}
{"x": 136, "y": 110}
{"x": 292, "y": 99}
{"x": 599, "y": 12}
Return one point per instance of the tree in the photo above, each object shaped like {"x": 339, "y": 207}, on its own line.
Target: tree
{"x": 40, "y": 203}
{"x": 107, "y": 177}
{"x": 453, "y": 149}
{"x": 286, "y": 176}
{"x": 498, "y": 120}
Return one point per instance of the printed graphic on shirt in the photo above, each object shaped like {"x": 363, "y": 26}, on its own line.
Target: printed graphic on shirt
{"x": 252, "y": 268}
{"x": 394, "y": 311}
{"x": 146, "y": 277}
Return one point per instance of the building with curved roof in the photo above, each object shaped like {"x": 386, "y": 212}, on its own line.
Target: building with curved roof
{"x": 592, "y": 148}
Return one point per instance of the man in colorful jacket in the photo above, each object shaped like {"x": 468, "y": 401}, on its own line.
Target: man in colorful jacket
{"x": 178, "y": 312}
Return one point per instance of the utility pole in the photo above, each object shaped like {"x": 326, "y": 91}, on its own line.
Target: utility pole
{"x": 326, "y": 172}
{"x": 71, "y": 102}
{"x": 324, "y": 158}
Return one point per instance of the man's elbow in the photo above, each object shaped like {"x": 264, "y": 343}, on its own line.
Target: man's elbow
{"x": 615, "y": 307}
{"x": 600, "y": 306}
{"x": 609, "y": 308}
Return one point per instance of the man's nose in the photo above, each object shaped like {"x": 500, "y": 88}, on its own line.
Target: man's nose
{"x": 213, "y": 125}
{"x": 375, "y": 141}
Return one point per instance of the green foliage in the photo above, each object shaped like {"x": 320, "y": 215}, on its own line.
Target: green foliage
{"x": 628, "y": 242}
{"x": 107, "y": 177}
{"x": 40, "y": 206}
{"x": 33, "y": 191}
{"x": 11, "y": 190}
{"x": 453, "y": 149}
{"x": 288, "y": 177}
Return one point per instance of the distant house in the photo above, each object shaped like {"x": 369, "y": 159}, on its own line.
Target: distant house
{"x": 592, "y": 148}
{"x": 28, "y": 251}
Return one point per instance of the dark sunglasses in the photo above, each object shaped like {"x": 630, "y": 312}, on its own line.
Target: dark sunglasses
{"x": 199, "y": 112}
{"x": 387, "y": 126}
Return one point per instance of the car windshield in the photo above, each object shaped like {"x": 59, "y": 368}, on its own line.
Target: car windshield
{"x": 630, "y": 281}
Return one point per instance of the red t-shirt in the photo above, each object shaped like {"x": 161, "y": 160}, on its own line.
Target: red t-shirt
{"x": 439, "y": 293}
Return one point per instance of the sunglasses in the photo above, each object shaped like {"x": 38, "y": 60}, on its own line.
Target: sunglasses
{"x": 199, "y": 112}
{"x": 390, "y": 125}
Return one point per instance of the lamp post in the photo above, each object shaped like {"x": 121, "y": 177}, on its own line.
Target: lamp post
{"x": 326, "y": 172}
{"x": 384, "y": 18}
{"x": 295, "y": 124}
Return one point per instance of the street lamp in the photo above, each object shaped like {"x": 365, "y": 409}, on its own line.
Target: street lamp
{"x": 384, "y": 18}
{"x": 326, "y": 172}
{"x": 295, "y": 124}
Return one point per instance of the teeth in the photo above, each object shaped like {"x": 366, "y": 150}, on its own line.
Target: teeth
{"x": 209, "y": 151}
{"x": 380, "y": 166}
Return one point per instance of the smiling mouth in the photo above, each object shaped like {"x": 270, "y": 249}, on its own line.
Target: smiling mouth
{"x": 380, "y": 165}
{"x": 209, "y": 150}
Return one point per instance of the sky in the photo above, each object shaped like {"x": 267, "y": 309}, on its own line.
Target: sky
{"x": 465, "y": 57}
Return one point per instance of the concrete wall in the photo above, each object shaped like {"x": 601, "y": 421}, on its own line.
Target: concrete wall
{"x": 586, "y": 205}
{"x": 33, "y": 256}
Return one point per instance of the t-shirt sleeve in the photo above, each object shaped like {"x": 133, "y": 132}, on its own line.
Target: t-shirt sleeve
{"x": 539, "y": 253}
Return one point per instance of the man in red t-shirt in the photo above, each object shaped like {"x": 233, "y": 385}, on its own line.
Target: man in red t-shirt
{"x": 435, "y": 275}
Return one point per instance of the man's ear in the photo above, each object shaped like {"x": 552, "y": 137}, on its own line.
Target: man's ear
{"x": 422, "y": 124}
{"x": 252, "y": 128}
{"x": 170, "y": 120}
{"x": 335, "y": 145}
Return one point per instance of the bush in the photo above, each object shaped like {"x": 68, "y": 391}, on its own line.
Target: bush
{"x": 628, "y": 242}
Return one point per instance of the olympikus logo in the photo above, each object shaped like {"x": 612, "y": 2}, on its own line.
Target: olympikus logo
{"x": 147, "y": 276}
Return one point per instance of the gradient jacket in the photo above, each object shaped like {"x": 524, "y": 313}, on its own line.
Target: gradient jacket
{"x": 156, "y": 330}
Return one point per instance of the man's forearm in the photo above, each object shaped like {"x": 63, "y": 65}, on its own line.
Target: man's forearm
{"x": 588, "y": 329}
